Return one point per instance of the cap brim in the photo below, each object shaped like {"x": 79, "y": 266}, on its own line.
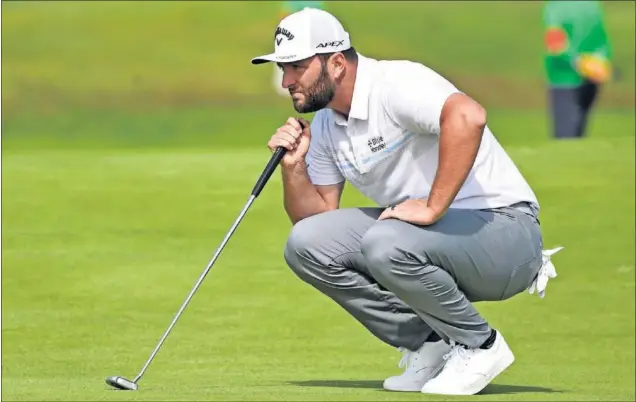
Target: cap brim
{"x": 272, "y": 57}
{"x": 264, "y": 59}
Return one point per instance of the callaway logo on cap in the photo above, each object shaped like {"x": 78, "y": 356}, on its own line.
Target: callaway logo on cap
{"x": 304, "y": 34}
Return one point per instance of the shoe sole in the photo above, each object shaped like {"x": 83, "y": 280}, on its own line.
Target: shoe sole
{"x": 501, "y": 365}
{"x": 499, "y": 368}
{"x": 418, "y": 389}
{"x": 505, "y": 362}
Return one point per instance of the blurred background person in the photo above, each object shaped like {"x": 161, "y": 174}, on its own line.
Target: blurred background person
{"x": 577, "y": 62}
{"x": 289, "y": 7}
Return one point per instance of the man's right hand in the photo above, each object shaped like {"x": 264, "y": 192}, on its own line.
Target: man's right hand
{"x": 294, "y": 136}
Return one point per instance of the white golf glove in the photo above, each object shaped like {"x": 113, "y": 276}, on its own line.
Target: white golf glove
{"x": 546, "y": 272}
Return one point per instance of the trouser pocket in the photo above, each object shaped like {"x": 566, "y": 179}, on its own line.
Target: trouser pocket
{"x": 521, "y": 277}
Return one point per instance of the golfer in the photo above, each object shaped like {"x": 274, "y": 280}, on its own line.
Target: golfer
{"x": 457, "y": 222}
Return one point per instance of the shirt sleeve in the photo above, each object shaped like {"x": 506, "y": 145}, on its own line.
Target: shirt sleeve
{"x": 321, "y": 166}
{"x": 416, "y": 99}
{"x": 555, "y": 37}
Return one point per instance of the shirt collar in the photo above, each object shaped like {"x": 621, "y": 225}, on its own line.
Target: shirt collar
{"x": 361, "y": 90}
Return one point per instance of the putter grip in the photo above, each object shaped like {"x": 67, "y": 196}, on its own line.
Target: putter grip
{"x": 269, "y": 169}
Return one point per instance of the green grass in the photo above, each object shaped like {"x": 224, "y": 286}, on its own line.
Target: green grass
{"x": 132, "y": 133}
{"x": 100, "y": 247}
{"x": 140, "y": 55}
{"x": 240, "y": 127}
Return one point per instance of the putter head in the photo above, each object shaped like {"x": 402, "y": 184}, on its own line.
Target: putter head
{"x": 121, "y": 383}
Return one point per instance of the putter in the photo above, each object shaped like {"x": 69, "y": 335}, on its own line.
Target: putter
{"x": 125, "y": 384}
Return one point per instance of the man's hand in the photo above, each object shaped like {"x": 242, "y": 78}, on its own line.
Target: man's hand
{"x": 412, "y": 211}
{"x": 294, "y": 135}
{"x": 595, "y": 68}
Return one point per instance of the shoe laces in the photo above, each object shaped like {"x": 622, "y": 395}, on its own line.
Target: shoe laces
{"x": 458, "y": 356}
{"x": 407, "y": 358}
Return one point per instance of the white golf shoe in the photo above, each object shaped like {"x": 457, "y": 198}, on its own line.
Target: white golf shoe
{"x": 419, "y": 365}
{"x": 468, "y": 371}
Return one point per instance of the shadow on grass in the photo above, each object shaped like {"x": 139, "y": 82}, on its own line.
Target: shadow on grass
{"x": 492, "y": 389}
{"x": 339, "y": 383}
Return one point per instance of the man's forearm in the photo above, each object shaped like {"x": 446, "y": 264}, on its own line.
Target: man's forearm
{"x": 301, "y": 199}
{"x": 460, "y": 139}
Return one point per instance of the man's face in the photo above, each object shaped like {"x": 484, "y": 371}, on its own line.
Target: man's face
{"x": 309, "y": 84}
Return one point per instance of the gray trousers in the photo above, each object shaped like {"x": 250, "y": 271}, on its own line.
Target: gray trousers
{"x": 403, "y": 282}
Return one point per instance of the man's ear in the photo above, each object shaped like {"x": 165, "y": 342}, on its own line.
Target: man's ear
{"x": 337, "y": 64}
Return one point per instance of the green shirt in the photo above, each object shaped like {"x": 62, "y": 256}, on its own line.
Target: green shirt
{"x": 291, "y": 6}
{"x": 571, "y": 29}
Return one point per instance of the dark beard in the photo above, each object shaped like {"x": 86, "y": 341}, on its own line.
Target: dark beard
{"x": 318, "y": 95}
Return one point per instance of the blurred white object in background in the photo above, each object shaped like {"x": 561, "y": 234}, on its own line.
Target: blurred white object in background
{"x": 278, "y": 82}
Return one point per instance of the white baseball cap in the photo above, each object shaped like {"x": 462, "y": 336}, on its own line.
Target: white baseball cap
{"x": 306, "y": 33}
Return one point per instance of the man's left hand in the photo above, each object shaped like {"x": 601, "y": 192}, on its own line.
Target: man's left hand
{"x": 412, "y": 211}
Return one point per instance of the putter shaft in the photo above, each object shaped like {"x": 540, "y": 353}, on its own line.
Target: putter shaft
{"x": 275, "y": 159}
{"x": 196, "y": 286}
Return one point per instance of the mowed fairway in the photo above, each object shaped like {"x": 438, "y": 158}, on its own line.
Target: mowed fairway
{"x": 101, "y": 247}
{"x": 132, "y": 135}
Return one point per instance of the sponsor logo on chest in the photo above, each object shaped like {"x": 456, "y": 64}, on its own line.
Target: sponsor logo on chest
{"x": 376, "y": 144}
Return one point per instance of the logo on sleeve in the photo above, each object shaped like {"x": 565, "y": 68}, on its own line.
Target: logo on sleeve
{"x": 556, "y": 40}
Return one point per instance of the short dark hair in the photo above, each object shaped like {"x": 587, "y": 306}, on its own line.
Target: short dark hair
{"x": 349, "y": 55}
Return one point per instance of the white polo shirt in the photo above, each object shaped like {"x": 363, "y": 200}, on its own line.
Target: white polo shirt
{"x": 388, "y": 147}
